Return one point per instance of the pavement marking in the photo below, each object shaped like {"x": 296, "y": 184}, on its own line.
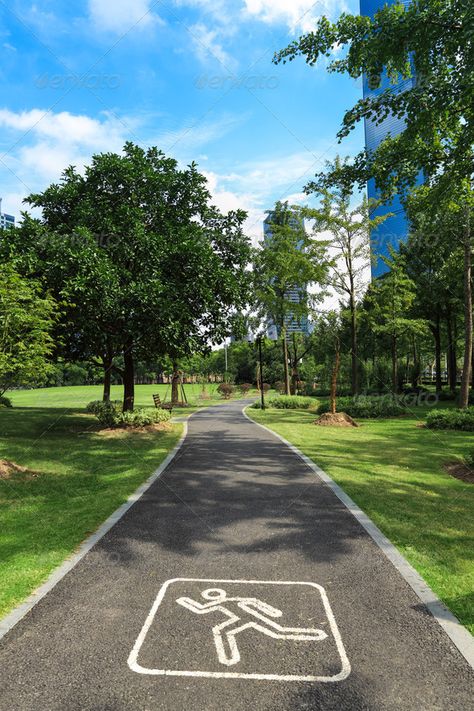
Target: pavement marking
{"x": 459, "y": 635}
{"x": 17, "y": 614}
{"x": 237, "y": 609}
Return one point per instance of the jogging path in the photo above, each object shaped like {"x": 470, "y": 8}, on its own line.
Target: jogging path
{"x": 238, "y": 581}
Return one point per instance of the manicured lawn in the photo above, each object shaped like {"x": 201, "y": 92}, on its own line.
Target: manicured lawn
{"x": 83, "y": 476}
{"x": 393, "y": 470}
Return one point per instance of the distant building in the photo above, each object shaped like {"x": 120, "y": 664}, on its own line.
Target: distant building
{"x": 395, "y": 229}
{"x": 6, "y": 221}
{"x": 293, "y": 325}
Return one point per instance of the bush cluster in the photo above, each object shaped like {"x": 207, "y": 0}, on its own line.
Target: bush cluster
{"x": 245, "y": 388}
{"x": 142, "y": 417}
{"x": 451, "y": 420}
{"x": 289, "y": 402}
{"x": 365, "y": 406}
{"x": 5, "y": 401}
{"x": 226, "y": 390}
{"x": 109, "y": 415}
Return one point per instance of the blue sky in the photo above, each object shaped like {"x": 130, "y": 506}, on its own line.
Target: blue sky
{"x": 193, "y": 77}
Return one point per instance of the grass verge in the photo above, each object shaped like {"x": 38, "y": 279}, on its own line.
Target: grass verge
{"x": 77, "y": 478}
{"x": 393, "y": 469}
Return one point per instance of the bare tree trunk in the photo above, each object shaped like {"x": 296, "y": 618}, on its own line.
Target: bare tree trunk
{"x": 128, "y": 378}
{"x": 334, "y": 376}
{"x": 354, "y": 345}
{"x": 452, "y": 358}
{"x": 285, "y": 361}
{"x": 394, "y": 366}
{"x": 467, "y": 365}
{"x": 437, "y": 339}
{"x": 175, "y": 385}
{"x": 107, "y": 380}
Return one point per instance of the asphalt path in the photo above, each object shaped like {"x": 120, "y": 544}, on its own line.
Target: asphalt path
{"x": 239, "y": 581}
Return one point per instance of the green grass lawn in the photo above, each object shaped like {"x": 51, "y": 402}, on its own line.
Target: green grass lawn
{"x": 394, "y": 471}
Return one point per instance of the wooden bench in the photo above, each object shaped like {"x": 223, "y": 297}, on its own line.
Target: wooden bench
{"x": 161, "y": 405}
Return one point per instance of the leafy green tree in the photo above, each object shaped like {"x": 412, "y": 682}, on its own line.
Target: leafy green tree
{"x": 433, "y": 41}
{"x": 288, "y": 262}
{"x": 27, "y": 317}
{"x": 350, "y": 227}
{"x": 146, "y": 264}
{"x": 392, "y": 298}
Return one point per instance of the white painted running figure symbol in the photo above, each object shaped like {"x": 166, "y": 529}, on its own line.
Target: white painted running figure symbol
{"x": 234, "y": 607}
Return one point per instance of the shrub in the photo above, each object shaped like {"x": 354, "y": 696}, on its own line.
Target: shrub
{"x": 94, "y": 407}
{"x": 308, "y": 389}
{"x": 106, "y": 413}
{"x": 142, "y": 417}
{"x": 5, "y": 401}
{"x": 292, "y": 402}
{"x": 451, "y": 420}
{"x": 245, "y": 388}
{"x": 266, "y": 387}
{"x": 364, "y": 406}
{"x": 226, "y": 390}
{"x": 279, "y": 386}
{"x": 469, "y": 459}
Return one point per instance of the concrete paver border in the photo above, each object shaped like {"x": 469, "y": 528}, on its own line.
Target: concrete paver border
{"x": 458, "y": 634}
{"x": 17, "y": 614}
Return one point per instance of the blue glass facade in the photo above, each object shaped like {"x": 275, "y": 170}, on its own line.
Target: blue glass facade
{"x": 292, "y": 324}
{"x": 395, "y": 228}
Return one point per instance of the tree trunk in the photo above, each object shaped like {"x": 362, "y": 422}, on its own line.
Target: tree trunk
{"x": 437, "y": 339}
{"x": 415, "y": 378}
{"x": 128, "y": 378}
{"x": 107, "y": 379}
{"x": 452, "y": 358}
{"x": 394, "y": 366}
{"x": 285, "y": 361}
{"x": 354, "y": 347}
{"x": 175, "y": 385}
{"x": 334, "y": 376}
{"x": 467, "y": 365}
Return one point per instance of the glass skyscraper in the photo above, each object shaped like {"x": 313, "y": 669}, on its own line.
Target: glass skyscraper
{"x": 395, "y": 228}
{"x": 292, "y": 324}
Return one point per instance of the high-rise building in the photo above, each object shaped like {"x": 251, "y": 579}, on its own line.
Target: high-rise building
{"x": 293, "y": 325}
{"x": 6, "y": 221}
{"x": 395, "y": 229}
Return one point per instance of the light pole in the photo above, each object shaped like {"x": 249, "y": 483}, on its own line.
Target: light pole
{"x": 262, "y": 395}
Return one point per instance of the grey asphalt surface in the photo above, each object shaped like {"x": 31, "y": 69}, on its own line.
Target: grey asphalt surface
{"x": 235, "y": 504}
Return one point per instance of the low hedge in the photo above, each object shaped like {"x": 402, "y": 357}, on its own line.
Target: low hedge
{"x": 289, "y": 402}
{"x": 366, "y": 406}
{"x": 142, "y": 417}
{"x": 451, "y": 420}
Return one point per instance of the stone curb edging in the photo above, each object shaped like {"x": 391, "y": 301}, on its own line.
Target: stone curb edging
{"x": 17, "y": 614}
{"x": 459, "y": 635}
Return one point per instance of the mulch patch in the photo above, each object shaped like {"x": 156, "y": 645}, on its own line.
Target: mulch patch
{"x": 337, "y": 419}
{"x": 8, "y": 470}
{"x": 461, "y": 471}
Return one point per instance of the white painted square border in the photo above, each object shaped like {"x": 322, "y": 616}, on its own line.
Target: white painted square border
{"x": 135, "y": 666}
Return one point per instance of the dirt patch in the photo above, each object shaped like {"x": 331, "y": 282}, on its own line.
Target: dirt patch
{"x": 118, "y": 432}
{"x": 338, "y": 419}
{"x": 8, "y": 470}
{"x": 459, "y": 470}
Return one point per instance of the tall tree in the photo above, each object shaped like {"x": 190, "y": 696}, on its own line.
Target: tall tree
{"x": 288, "y": 262}
{"x": 433, "y": 41}
{"x": 392, "y": 297}
{"x": 27, "y": 318}
{"x": 350, "y": 227}
{"x": 142, "y": 257}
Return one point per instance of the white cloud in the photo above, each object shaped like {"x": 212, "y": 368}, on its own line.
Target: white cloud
{"x": 208, "y": 47}
{"x": 298, "y": 15}
{"x": 120, "y": 16}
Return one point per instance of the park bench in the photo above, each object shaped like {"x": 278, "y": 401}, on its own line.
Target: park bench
{"x": 162, "y": 405}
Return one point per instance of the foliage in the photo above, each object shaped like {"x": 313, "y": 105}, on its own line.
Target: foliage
{"x": 106, "y": 412}
{"x": 27, "y": 318}
{"x": 279, "y": 386}
{"x": 142, "y": 417}
{"x": 245, "y": 388}
{"x": 292, "y": 402}
{"x": 266, "y": 387}
{"x": 364, "y": 406}
{"x": 5, "y": 401}
{"x": 451, "y": 420}
{"x": 226, "y": 390}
